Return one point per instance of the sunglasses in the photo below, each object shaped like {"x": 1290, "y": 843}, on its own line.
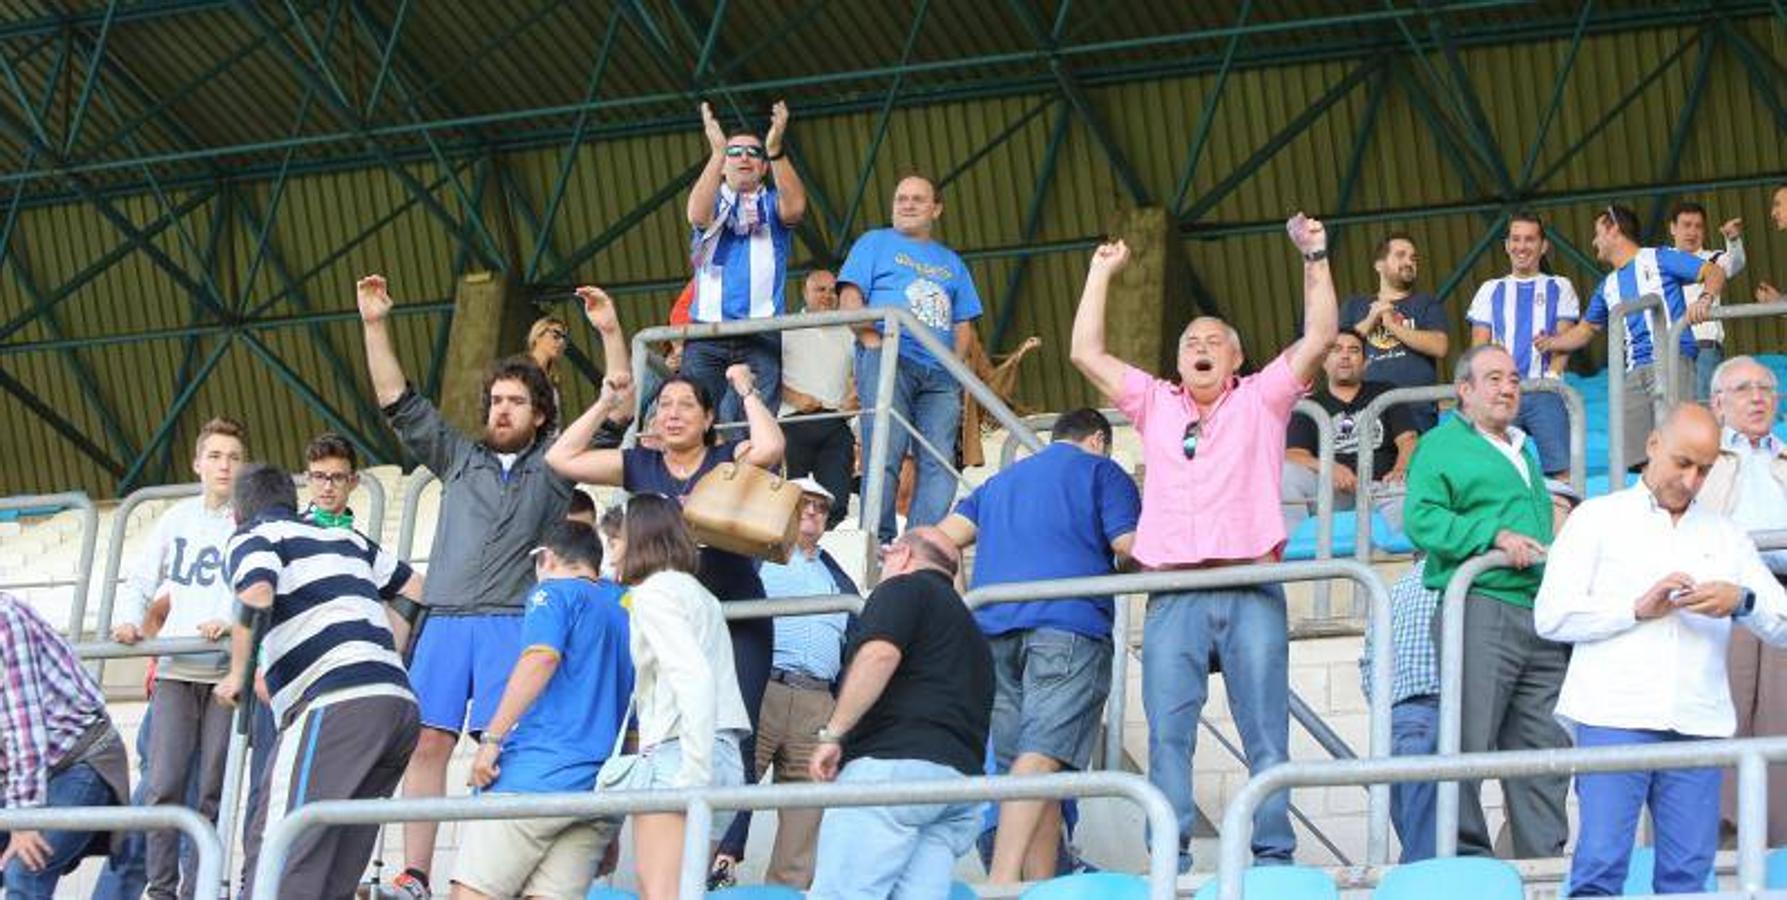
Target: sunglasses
{"x": 559, "y": 333}
{"x": 751, "y": 150}
{"x": 1189, "y": 443}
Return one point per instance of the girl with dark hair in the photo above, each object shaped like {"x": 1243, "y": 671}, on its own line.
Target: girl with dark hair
{"x": 686, "y": 693}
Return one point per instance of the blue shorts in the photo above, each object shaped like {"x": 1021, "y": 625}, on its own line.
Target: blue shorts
{"x": 1546, "y": 420}
{"x": 463, "y": 661}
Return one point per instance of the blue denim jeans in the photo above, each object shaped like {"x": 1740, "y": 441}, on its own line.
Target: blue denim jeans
{"x": 1684, "y": 804}
{"x": 1243, "y": 631}
{"x": 898, "y": 852}
{"x": 1712, "y": 353}
{"x": 705, "y": 362}
{"x": 932, "y": 401}
{"x": 81, "y": 785}
{"x": 1414, "y": 731}
{"x": 1546, "y": 420}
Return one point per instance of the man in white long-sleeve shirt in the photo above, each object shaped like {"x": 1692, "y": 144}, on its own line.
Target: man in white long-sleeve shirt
{"x": 185, "y": 560}
{"x": 1687, "y": 231}
{"x": 1647, "y": 585}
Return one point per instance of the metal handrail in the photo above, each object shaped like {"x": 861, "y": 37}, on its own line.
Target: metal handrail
{"x": 1751, "y": 757}
{"x": 1451, "y": 659}
{"x": 1672, "y": 349}
{"x": 209, "y": 866}
{"x": 412, "y": 503}
{"x": 82, "y": 582}
{"x": 1324, "y": 475}
{"x": 1383, "y": 665}
{"x": 1368, "y": 419}
{"x": 1651, "y": 305}
{"x": 698, "y": 804}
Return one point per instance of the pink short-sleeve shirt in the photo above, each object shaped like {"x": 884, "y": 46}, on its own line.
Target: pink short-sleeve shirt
{"x": 1225, "y": 503}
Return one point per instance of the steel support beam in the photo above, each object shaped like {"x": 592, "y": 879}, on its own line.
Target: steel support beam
{"x": 1678, "y": 136}
{"x": 60, "y": 424}
{"x": 1355, "y": 161}
{"x": 1755, "y": 63}
{"x": 163, "y": 431}
{"x": 1200, "y": 134}
{"x": 568, "y": 159}
{"x": 371, "y": 449}
{"x": 881, "y": 123}
{"x": 1045, "y": 176}
{"x": 79, "y": 114}
{"x": 1557, "y": 94}
{"x": 624, "y": 224}
{"x": 1626, "y": 100}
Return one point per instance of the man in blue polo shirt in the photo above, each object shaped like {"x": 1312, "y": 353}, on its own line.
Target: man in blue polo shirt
{"x": 742, "y": 229}
{"x": 1638, "y": 272}
{"x": 905, "y": 267}
{"x": 1065, "y": 512}
{"x": 563, "y": 707}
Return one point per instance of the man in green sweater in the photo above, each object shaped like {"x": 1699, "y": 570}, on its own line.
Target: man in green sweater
{"x": 1474, "y": 486}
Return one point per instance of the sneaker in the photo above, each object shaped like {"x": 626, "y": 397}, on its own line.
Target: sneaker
{"x": 722, "y": 875}
{"x": 412, "y": 884}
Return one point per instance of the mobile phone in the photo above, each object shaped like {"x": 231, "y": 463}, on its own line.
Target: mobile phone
{"x": 1679, "y": 594}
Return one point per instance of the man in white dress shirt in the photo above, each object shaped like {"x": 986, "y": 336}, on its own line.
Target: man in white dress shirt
{"x": 1647, "y": 586}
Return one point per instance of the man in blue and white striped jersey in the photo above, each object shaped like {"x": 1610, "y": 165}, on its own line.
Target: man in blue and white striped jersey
{"x": 1687, "y": 233}
{"x": 1638, "y": 272}
{"x": 347, "y": 719}
{"x": 1514, "y": 311}
{"x": 742, "y": 231}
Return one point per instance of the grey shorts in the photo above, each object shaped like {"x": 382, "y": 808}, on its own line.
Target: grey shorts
{"x": 1049, "y": 687}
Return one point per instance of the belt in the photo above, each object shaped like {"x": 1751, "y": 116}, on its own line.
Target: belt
{"x": 1708, "y": 342}
{"x": 799, "y": 681}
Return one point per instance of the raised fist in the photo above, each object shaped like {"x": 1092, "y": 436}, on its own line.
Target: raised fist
{"x": 778, "y": 126}
{"x": 598, "y": 307}
{"x": 1308, "y": 234}
{"x": 1110, "y": 258}
{"x": 374, "y": 299}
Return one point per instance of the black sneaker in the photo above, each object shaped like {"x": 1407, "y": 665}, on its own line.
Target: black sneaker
{"x": 722, "y": 875}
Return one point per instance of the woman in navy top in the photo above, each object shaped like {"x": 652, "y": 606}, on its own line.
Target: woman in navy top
{"x": 688, "y": 447}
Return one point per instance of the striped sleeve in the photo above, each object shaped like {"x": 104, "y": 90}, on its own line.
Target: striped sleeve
{"x": 388, "y": 572}
{"x": 252, "y": 561}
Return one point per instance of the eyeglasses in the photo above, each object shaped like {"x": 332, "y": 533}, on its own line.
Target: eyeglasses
{"x": 559, "y": 333}
{"x": 332, "y": 479}
{"x": 814, "y": 508}
{"x": 1189, "y": 443}
{"x": 752, "y": 150}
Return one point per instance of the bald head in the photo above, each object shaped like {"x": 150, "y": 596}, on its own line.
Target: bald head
{"x": 1681, "y": 451}
{"x": 931, "y": 547}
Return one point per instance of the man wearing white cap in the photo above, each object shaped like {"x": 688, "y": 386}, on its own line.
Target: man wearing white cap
{"x": 802, "y": 678}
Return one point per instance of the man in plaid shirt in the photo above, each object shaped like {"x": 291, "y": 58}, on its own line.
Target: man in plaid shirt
{"x": 57, "y": 748}
{"x": 1415, "y": 688}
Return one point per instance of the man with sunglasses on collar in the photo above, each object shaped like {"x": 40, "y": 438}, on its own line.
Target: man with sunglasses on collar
{"x": 742, "y": 231}
{"x": 1214, "y": 445}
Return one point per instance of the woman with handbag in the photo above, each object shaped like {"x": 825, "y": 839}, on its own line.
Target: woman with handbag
{"x": 688, "y": 449}
{"x": 691, "y": 717}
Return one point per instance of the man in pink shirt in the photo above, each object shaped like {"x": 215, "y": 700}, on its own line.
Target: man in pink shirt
{"x": 1214, "y": 444}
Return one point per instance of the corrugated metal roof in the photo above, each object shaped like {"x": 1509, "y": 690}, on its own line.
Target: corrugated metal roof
{"x": 1234, "y": 247}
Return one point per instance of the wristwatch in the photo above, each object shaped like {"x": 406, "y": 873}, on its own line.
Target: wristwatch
{"x": 1316, "y": 255}
{"x": 491, "y": 740}
{"x": 827, "y": 736}
{"x": 777, "y": 155}
{"x": 1746, "y": 606}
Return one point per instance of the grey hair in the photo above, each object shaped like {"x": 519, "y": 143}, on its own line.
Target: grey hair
{"x": 1461, "y": 373}
{"x": 1234, "y": 336}
{"x": 1726, "y": 366}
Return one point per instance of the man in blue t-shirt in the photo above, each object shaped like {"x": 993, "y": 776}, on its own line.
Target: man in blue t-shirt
{"x": 741, "y": 232}
{"x": 905, "y": 267}
{"x": 1639, "y": 272}
{"x": 1066, "y": 512}
{"x": 1406, "y": 333}
{"x": 561, "y": 713}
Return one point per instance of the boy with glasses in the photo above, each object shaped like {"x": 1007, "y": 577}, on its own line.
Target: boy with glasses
{"x": 332, "y": 476}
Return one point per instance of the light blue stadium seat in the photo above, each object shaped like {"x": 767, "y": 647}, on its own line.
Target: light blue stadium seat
{"x": 758, "y": 892}
{"x": 1641, "y": 874}
{"x": 1278, "y": 883}
{"x": 1301, "y": 544}
{"x": 1386, "y": 539}
{"x": 604, "y": 892}
{"x": 1089, "y": 886}
{"x": 1458, "y": 878}
{"x": 960, "y": 891}
{"x": 1777, "y": 869}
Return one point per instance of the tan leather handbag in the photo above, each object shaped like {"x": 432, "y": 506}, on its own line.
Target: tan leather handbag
{"x": 744, "y": 509}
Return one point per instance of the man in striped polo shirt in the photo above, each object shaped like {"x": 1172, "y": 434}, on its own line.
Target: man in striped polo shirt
{"x": 742, "y": 231}
{"x": 1639, "y": 272}
{"x": 1514, "y": 311}
{"x": 347, "y": 719}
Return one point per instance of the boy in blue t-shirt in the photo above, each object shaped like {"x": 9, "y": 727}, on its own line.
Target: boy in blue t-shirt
{"x": 905, "y": 267}
{"x": 560, "y": 713}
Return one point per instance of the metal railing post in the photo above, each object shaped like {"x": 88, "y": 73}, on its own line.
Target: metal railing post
{"x": 82, "y": 581}
{"x": 1383, "y": 662}
{"x": 209, "y": 865}
{"x": 1237, "y": 819}
{"x": 1577, "y": 413}
{"x": 697, "y": 823}
{"x": 1445, "y": 807}
{"x": 874, "y": 475}
{"x": 1752, "y": 822}
{"x": 419, "y": 480}
{"x": 114, "y": 557}
{"x": 1672, "y": 348}
{"x": 1616, "y": 380}
{"x": 1163, "y": 828}
{"x": 1364, "y": 425}
{"x": 374, "y": 526}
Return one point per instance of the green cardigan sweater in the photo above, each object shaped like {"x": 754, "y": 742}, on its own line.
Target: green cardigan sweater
{"x": 1462, "y": 492}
